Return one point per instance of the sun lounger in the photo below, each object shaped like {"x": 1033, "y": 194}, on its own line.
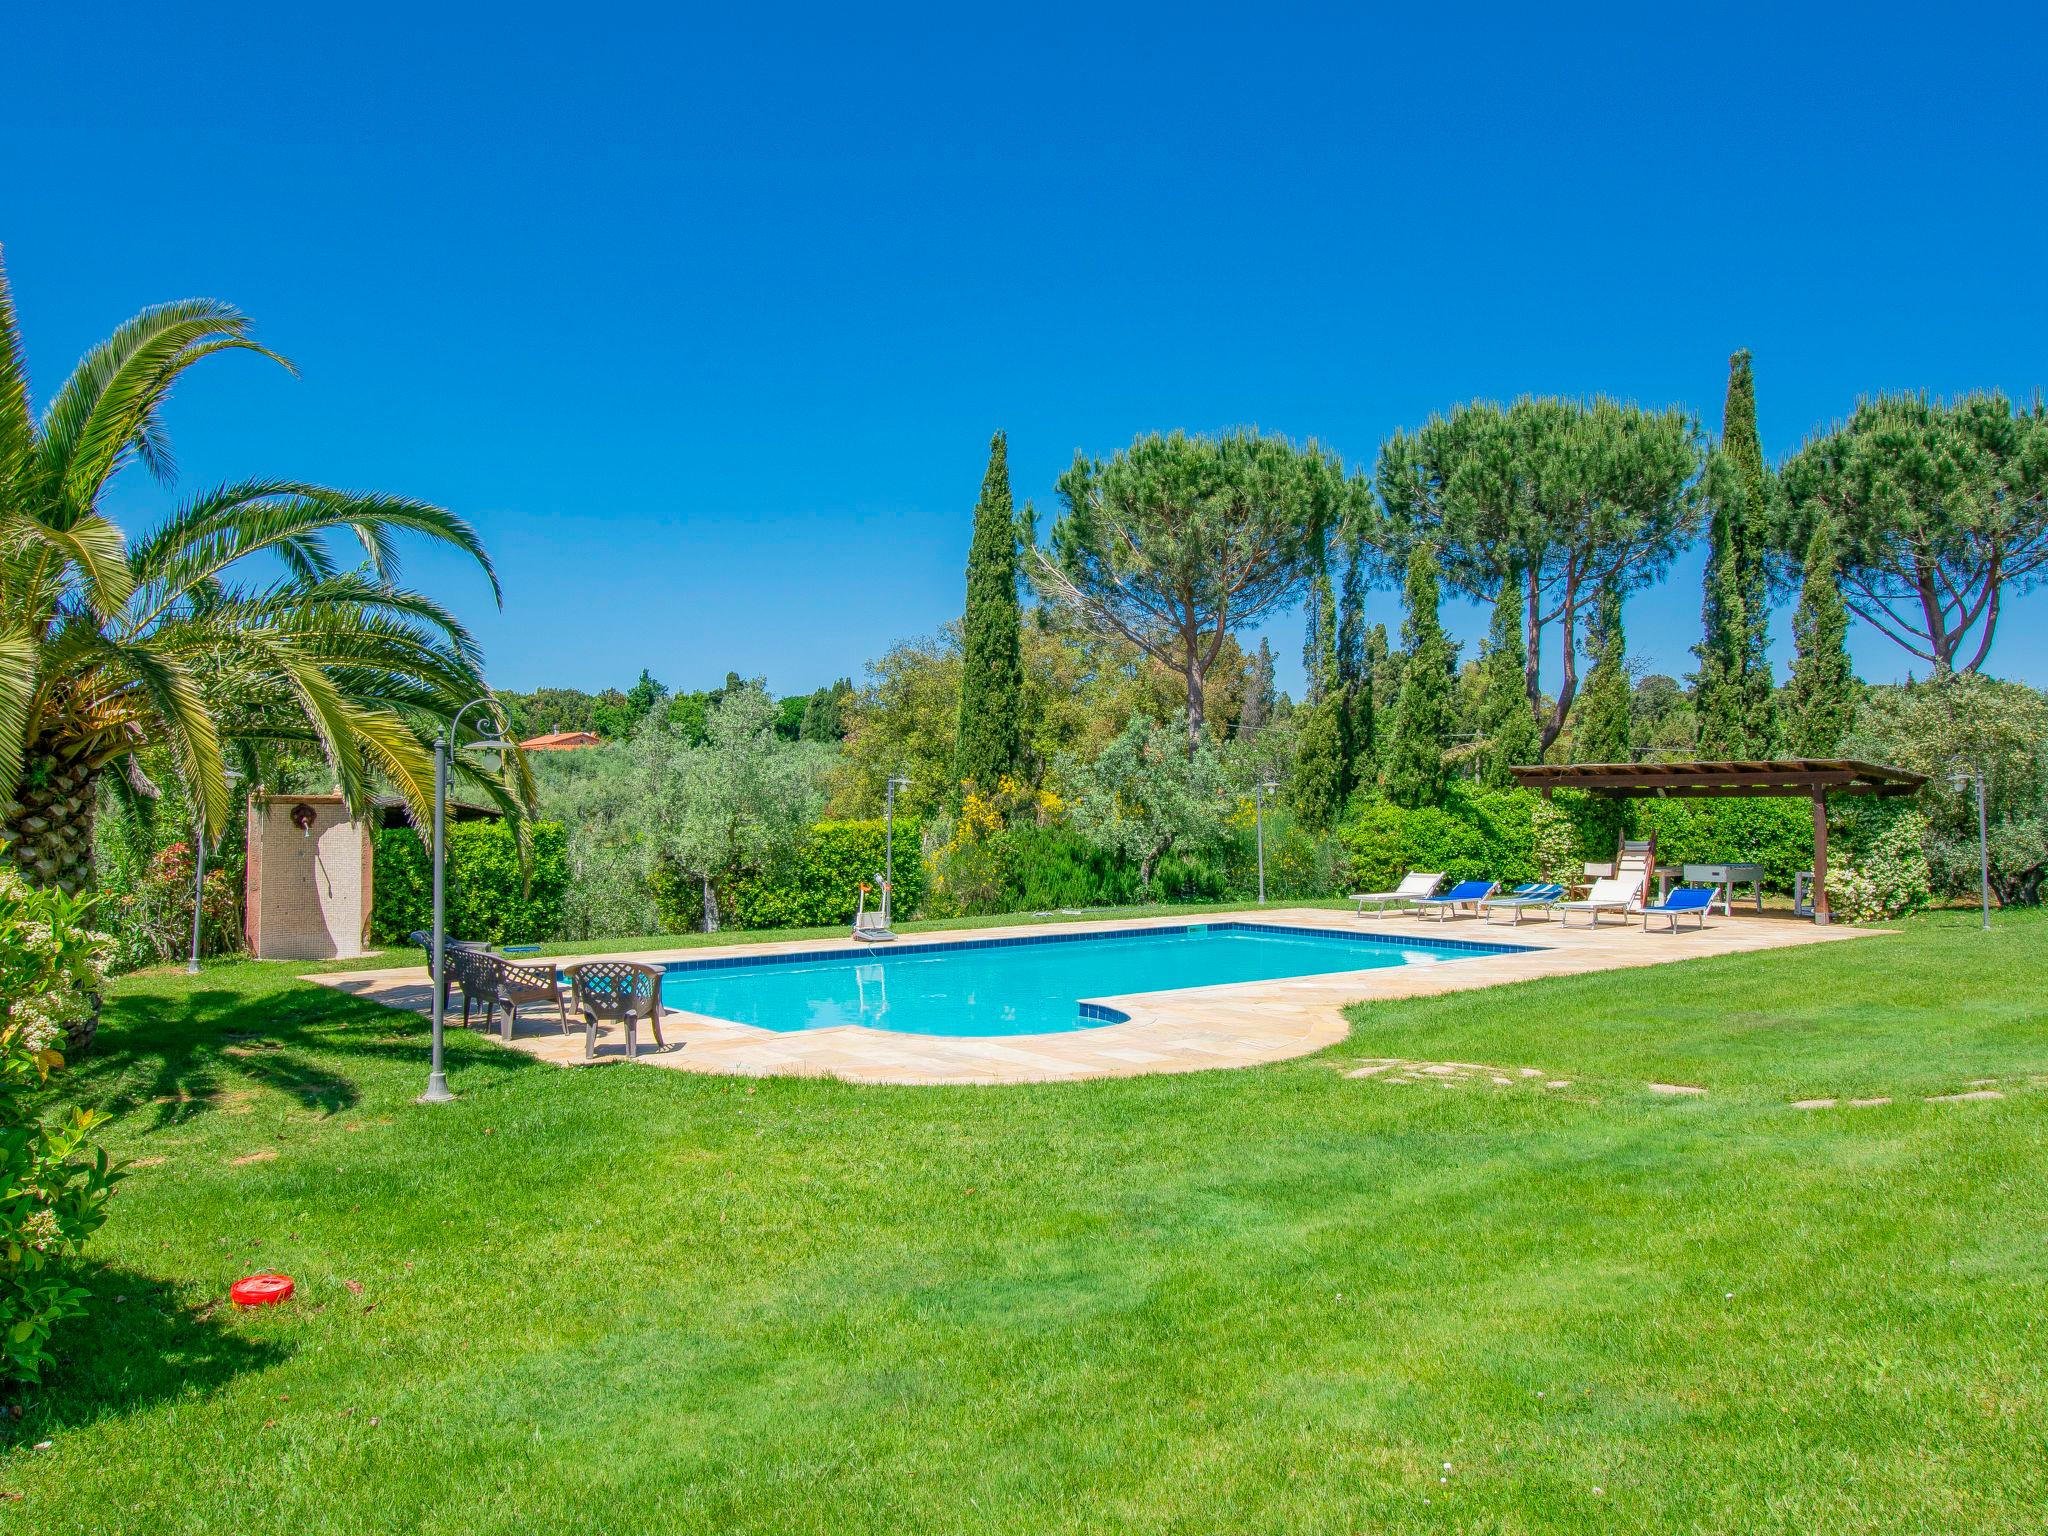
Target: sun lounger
{"x": 1687, "y": 900}
{"x": 1467, "y": 893}
{"x": 1524, "y": 898}
{"x": 1413, "y": 888}
{"x": 1614, "y": 894}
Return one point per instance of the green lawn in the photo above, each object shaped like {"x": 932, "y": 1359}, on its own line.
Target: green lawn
{"x": 1274, "y": 1300}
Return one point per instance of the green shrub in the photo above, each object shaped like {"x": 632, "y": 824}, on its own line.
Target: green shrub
{"x": 490, "y": 897}
{"x": 821, "y": 884}
{"x": 1301, "y": 865}
{"x": 150, "y": 916}
{"x": 52, "y": 1195}
{"x": 1776, "y": 833}
{"x": 1509, "y": 835}
{"x": 1889, "y": 876}
{"x": 1049, "y": 867}
{"x": 1386, "y": 841}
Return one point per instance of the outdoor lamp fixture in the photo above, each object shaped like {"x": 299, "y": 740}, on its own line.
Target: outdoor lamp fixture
{"x": 1260, "y": 790}
{"x": 231, "y": 777}
{"x": 896, "y": 781}
{"x": 437, "y": 1079}
{"x": 1961, "y": 780}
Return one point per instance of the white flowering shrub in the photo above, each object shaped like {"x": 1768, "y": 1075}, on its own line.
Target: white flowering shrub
{"x": 53, "y": 1186}
{"x": 1891, "y": 876}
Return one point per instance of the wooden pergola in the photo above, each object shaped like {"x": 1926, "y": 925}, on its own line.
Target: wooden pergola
{"x": 1813, "y": 777}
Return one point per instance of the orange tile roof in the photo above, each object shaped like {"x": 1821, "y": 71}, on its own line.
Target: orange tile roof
{"x": 561, "y": 741}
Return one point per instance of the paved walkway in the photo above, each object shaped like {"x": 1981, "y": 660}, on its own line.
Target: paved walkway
{"x": 1182, "y": 1031}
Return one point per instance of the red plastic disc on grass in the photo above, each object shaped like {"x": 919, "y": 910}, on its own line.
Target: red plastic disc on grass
{"x": 260, "y": 1290}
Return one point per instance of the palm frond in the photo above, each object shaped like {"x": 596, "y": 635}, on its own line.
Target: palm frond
{"x": 96, "y": 549}
{"x": 18, "y": 660}
{"x": 231, "y": 522}
{"x": 109, "y": 409}
{"x": 176, "y": 704}
{"x": 17, "y": 425}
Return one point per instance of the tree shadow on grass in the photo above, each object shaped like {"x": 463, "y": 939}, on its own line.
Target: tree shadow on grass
{"x": 165, "y": 1058}
{"x": 124, "y": 1355}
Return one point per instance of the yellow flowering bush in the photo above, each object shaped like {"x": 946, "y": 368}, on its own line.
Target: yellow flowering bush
{"x": 971, "y": 856}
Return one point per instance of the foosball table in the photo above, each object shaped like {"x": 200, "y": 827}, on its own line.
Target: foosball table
{"x": 1727, "y": 877}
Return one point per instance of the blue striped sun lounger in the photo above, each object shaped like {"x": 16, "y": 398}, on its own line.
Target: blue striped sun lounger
{"x": 1467, "y": 893}
{"x": 1539, "y": 897}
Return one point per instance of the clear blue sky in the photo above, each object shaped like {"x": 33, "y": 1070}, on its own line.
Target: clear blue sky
{"x": 705, "y": 319}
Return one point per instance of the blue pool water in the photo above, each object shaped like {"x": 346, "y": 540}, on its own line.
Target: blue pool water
{"x": 1023, "y": 986}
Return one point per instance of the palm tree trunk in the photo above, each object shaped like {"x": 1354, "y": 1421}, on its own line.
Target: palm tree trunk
{"x": 47, "y": 825}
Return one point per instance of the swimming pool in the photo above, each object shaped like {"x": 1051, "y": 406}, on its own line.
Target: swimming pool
{"x": 1025, "y": 986}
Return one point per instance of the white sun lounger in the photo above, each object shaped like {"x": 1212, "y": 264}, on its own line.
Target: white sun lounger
{"x": 1613, "y": 894}
{"x": 1412, "y": 889}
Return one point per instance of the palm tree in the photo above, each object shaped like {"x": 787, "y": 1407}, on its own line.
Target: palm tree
{"x": 233, "y": 628}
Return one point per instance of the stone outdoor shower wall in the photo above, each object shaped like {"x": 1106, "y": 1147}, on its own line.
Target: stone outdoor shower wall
{"x": 308, "y": 888}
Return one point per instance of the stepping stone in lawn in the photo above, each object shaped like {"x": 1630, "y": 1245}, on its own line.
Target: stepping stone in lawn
{"x": 1867, "y": 1103}
{"x": 1813, "y": 1103}
{"x": 1965, "y": 1098}
{"x": 1372, "y": 1068}
{"x": 1675, "y": 1088}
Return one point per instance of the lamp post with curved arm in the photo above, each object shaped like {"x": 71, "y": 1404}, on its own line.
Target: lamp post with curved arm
{"x": 1260, "y": 790}
{"x": 437, "y": 1079}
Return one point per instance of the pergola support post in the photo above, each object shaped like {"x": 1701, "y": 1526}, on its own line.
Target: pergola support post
{"x": 1820, "y": 856}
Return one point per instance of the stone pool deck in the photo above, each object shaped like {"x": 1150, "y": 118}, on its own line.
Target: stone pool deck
{"x": 1192, "y": 1030}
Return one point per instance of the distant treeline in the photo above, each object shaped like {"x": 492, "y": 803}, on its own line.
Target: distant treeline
{"x": 616, "y": 713}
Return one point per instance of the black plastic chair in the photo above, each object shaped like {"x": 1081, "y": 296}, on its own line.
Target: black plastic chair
{"x": 456, "y": 970}
{"x": 617, "y": 991}
{"x": 517, "y": 985}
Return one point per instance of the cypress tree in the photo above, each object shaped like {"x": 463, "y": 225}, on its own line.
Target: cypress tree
{"x": 1749, "y": 533}
{"x": 1351, "y": 657}
{"x": 1507, "y": 726}
{"x": 1718, "y": 695}
{"x": 1259, "y": 695}
{"x": 1365, "y": 725}
{"x": 1415, "y": 771}
{"x": 990, "y": 742}
{"x": 1606, "y": 717}
{"x": 1319, "y": 649}
{"x": 1382, "y": 671}
{"x": 1320, "y": 782}
{"x": 1355, "y": 668}
{"x": 1322, "y": 763}
{"x": 1820, "y": 701}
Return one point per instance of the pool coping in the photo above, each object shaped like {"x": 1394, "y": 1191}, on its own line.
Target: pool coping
{"x": 1233, "y": 1024}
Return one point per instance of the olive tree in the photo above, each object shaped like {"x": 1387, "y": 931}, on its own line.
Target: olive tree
{"x": 1938, "y": 509}
{"x": 742, "y": 800}
{"x": 1177, "y": 541}
{"x": 1559, "y": 498}
{"x": 1143, "y": 796}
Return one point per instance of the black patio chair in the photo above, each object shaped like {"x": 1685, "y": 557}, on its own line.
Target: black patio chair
{"x": 456, "y": 948}
{"x": 518, "y": 985}
{"x": 475, "y": 970}
{"x": 609, "y": 991}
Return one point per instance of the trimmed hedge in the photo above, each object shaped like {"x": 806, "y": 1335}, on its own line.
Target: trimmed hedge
{"x": 821, "y": 884}
{"x": 489, "y": 896}
{"x": 1777, "y": 834}
{"x": 1513, "y": 835}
